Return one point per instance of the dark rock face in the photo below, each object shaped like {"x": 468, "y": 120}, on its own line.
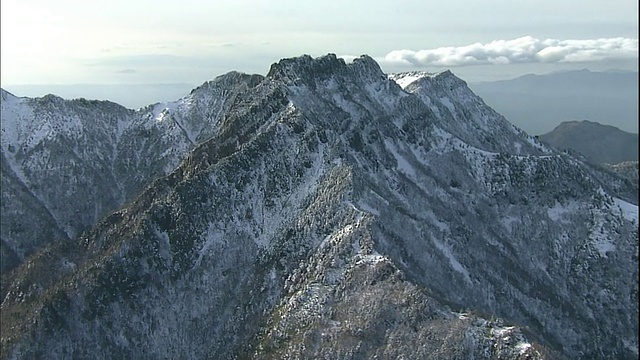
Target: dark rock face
{"x": 599, "y": 143}
{"x": 330, "y": 213}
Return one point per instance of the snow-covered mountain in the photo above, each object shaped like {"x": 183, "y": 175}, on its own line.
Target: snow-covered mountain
{"x": 330, "y": 212}
{"x": 66, "y": 164}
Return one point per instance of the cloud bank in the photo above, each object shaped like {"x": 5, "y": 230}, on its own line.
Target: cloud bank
{"x": 522, "y": 50}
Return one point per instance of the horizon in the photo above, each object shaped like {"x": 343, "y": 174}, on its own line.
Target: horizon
{"x": 55, "y": 47}
{"x": 36, "y": 90}
{"x": 142, "y": 42}
{"x": 150, "y": 94}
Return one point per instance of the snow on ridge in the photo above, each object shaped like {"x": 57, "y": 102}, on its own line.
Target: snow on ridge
{"x": 522, "y": 347}
{"x": 161, "y": 111}
{"x": 405, "y": 78}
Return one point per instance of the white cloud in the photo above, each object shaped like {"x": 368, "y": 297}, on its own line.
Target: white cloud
{"x": 522, "y": 50}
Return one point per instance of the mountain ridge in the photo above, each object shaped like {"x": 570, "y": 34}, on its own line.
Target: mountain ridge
{"x": 117, "y": 150}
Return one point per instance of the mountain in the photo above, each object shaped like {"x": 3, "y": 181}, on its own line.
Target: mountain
{"x": 66, "y": 164}
{"x": 132, "y": 96}
{"x": 332, "y": 213}
{"x": 599, "y": 143}
{"x": 537, "y": 103}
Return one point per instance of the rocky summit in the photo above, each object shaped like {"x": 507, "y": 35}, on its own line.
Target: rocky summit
{"x": 325, "y": 210}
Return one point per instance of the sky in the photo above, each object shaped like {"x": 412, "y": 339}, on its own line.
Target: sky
{"x": 139, "y": 43}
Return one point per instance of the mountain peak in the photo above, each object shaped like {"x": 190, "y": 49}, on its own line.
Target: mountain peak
{"x": 304, "y": 67}
{"x": 367, "y": 65}
{"x": 585, "y": 124}
{"x": 309, "y": 70}
{"x": 229, "y": 79}
{"x": 404, "y": 79}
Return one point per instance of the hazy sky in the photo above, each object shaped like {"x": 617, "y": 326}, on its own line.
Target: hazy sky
{"x": 192, "y": 41}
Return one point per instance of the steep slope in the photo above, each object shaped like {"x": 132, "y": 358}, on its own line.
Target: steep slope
{"x": 599, "y": 143}
{"x": 67, "y": 163}
{"x": 465, "y": 115}
{"x": 54, "y": 151}
{"x": 335, "y": 214}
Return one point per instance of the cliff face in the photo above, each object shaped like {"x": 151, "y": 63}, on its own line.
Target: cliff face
{"x": 333, "y": 213}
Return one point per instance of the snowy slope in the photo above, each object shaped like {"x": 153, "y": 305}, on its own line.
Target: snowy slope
{"x": 79, "y": 160}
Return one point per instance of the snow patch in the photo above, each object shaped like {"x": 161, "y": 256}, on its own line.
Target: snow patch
{"x": 536, "y": 144}
{"x": 502, "y": 331}
{"x": 558, "y": 212}
{"x": 522, "y": 347}
{"x": 455, "y": 264}
{"x": 403, "y": 163}
{"x": 442, "y": 226}
{"x": 368, "y": 208}
{"x": 406, "y": 78}
{"x": 370, "y": 259}
{"x": 447, "y": 102}
{"x": 405, "y": 81}
{"x": 213, "y": 237}
{"x": 518, "y": 147}
{"x": 628, "y": 210}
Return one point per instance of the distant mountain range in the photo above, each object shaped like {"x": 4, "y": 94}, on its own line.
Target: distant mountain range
{"x": 537, "y": 103}
{"x": 600, "y": 143}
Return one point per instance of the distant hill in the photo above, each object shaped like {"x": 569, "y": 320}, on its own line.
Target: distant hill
{"x": 536, "y": 103}
{"x": 600, "y": 143}
{"x": 132, "y": 96}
